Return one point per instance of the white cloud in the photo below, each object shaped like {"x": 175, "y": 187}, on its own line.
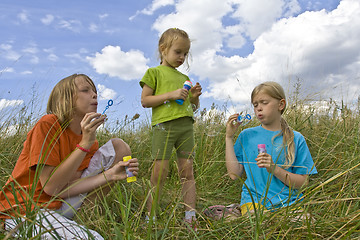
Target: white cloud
{"x": 116, "y": 63}
{"x": 255, "y": 20}
{"x": 75, "y": 58}
{"x": 4, "y": 103}
{"x": 52, "y": 57}
{"x": 30, "y": 50}
{"x": 49, "y": 50}
{"x": 23, "y": 17}
{"x": 8, "y": 70}
{"x": 105, "y": 93}
{"x": 9, "y": 53}
{"x": 26, "y": 73}
{"x": 6, "y": 47}
{"x": 48, "y": 19}
{"x": 103, "y": 16}
{"x": 72, "y": 25}
{"x": 10, "y": 130}
{"x": 93, "y": 27}
{"x": 319, "y": 47}
{"x": 34, "y": 59}
{"x": 156, "y": 4}
{"x": 83, "y": 50}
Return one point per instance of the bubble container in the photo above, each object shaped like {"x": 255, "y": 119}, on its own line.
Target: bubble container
{"x": 261, "y": 148}
{"x": 187, "y": 86}
{"x": 130, "y": 176}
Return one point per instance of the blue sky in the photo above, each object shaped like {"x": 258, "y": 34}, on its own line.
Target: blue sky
{"x": 236, "y": 44}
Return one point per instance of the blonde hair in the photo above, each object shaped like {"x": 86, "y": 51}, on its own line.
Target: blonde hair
{"x": 63, "y": 97}
{"x": 167, "y": 39}
{"x": 274, "y": 90}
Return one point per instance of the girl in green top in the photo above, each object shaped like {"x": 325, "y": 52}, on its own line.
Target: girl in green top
{"x": 172, "y": 123}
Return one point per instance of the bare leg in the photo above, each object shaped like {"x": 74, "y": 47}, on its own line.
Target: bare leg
{"x": 122, "y": 149}
{"x": 157, "y": 180}
{"x": 186, "y": 174}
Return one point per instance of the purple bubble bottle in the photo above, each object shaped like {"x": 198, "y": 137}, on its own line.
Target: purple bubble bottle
{"x": 261, "y": 148}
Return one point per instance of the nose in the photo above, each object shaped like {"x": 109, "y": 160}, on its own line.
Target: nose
{"x": 94, "y": 95}
{"x": 258, "y": 108}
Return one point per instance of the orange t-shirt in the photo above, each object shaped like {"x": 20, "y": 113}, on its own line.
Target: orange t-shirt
{"x": 46, "y": 143}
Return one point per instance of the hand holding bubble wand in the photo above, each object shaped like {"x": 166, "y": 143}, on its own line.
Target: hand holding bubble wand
{"x": 110, "y": 103}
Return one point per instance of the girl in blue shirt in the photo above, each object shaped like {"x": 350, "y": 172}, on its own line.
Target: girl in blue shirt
{"x": 274, "y": 177}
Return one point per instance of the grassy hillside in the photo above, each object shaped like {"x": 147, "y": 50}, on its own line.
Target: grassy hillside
{"x": 332, "y": 196}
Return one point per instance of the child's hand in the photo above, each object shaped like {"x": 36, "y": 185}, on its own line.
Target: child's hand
{"x": 90, "y": 122}
{"x": 180, "y": 93}
{"x": 230, "y": 126}
{"x": 264, "y": 160}
{"x": 196, "y": 90}
{"x": 117, "y": 172}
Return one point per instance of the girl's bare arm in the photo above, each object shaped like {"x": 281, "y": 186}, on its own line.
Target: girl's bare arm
{"x": 234, "y": 168}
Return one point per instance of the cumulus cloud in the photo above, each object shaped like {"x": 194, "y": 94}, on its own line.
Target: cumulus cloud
{"x": 116, "y": 63}
{"x": 105, "y": 93}
{"x": 255, "y": 20}
{"x": 4, "y": 103}
{"x": 318, "y": 47}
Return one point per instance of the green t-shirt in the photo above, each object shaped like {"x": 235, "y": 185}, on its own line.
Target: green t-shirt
{"x": 163, "y": 79}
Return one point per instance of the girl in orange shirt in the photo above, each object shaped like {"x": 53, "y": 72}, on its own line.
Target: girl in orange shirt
{"x": 61, "y": 162}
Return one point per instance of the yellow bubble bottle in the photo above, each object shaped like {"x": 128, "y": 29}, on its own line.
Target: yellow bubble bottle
{"x": 130, "y": 175}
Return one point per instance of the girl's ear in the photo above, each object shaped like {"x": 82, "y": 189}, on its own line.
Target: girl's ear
{"x": 163, "y": 50}
{"x": 282, "y": 104}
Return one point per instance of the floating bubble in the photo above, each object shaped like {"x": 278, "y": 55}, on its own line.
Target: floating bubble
{"x": 167, "y": 103}
{"x": 160, "y": 127}
{"x": 214, "y": 129}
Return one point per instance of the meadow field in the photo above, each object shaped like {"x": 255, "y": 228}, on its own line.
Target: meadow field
{"x": 332, "y": 197}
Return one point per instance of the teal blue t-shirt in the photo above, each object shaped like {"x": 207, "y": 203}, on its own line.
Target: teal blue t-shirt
{"x": 265, "y": 188}
{"x": 163, "y": 79}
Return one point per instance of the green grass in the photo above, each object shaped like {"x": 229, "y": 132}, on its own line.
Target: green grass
{"x": 332, "y": 196}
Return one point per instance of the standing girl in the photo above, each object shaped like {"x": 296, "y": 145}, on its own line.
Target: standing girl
{"x": 60, "y": 163}
{"x": 172, "y": 123}
{"x": 274, "y": 177}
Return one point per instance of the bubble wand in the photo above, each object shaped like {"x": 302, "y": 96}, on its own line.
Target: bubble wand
{"x": 243, "y": 120}
{"x": 110, "y": 102}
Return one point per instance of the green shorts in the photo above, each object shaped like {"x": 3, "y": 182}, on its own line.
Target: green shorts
{"x": 178, "y": 133}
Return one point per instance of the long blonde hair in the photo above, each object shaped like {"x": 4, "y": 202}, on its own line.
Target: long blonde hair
{"x": 274, "y": 90}
{"x": 63, "y": 97}
{"x": 167, "y": 39}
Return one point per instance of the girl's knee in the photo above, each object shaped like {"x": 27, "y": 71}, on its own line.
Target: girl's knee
{"x": 121, "y": 147}
{"x": 186, "y": 174}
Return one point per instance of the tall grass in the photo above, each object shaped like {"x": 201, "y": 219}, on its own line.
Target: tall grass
{"x": 332, "y": 197}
